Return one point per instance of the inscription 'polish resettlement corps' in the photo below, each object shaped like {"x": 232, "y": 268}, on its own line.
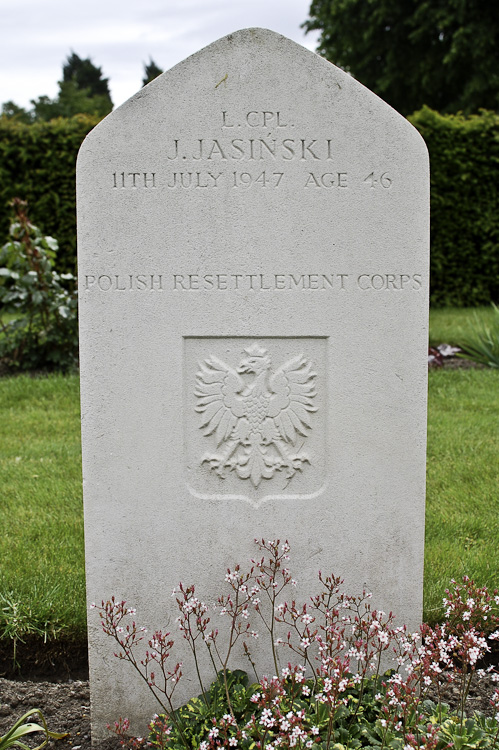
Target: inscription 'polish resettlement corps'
{"x": 251, "y": 282}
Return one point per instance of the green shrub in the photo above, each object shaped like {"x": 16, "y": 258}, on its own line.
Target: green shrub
{"x": 38, "y": 161}
{"x": 464, "y": 161}
{"x": 42, "y": 331}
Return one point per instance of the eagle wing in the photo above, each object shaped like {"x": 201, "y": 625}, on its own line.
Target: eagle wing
{"x": 217, "y": 393}
{"x": 291, "y": 402}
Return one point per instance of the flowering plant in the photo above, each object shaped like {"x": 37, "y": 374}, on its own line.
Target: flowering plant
{"x": 333, "y": 694}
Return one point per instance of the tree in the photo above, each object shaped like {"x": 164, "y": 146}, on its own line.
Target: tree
{"x": 443, "y": 53}
{"x": 81, "y": 91}
{"x": 151, "y": 71}
{"x": 86, "y": 76}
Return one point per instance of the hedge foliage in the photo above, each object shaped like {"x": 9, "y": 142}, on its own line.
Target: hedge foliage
{"x": 464, "y": 160}
{"x": 37, "y": 163}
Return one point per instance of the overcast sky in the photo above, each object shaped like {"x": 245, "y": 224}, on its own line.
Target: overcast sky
{"x": 36, "y": 36}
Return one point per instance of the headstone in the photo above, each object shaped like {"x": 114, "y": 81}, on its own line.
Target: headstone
{"x": 253, "y": 274}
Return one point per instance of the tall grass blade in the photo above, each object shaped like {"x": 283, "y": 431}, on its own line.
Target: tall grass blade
{"x": 482, "y": 345}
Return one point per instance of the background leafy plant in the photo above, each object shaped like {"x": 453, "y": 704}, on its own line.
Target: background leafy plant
{"x": 43, "y": 330}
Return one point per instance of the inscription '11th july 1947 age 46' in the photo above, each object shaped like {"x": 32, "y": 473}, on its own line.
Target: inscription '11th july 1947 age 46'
{"x": 265, "y": 179}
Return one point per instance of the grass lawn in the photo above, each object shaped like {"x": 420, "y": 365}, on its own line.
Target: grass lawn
{"x": 451, "y": 324}
{"x": 462, "y": 501}
{"x": 41, "y": 547}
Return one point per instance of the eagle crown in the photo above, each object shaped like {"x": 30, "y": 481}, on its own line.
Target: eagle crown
{"x": 257, "y": 361}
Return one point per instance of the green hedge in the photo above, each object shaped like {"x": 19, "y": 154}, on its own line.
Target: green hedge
{"x": 37, "y": 164}
{"x": 464, "y": 161}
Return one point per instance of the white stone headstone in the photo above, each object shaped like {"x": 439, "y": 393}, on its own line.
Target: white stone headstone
{"x": 253, "y": 274}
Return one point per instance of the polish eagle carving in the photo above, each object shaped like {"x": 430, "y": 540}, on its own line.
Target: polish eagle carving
{"x": 258, "y": 422}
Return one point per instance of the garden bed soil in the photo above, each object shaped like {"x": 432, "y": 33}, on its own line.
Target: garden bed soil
{"x": 65, "y": 706}
{"x": 58, "y": 686}
{"x": 460, "y": 363}
{"x": 455, "y": 363}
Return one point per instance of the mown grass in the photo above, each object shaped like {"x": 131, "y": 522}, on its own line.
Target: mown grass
{"x": 450, "y": 325}
{"x": 41, "y": 514}
{"x": 462, "y": 501}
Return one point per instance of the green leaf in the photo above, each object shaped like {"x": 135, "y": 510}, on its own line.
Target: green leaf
{"x": 20, "y": 729}
{"x": 52, "y": 243}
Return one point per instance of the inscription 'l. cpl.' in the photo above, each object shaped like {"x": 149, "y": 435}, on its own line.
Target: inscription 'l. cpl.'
{"x": 256, "y": 119}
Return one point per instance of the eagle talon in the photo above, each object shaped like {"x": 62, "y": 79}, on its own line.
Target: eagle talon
{"x": 299, "y": 460}
{"x": 213, "y": 460}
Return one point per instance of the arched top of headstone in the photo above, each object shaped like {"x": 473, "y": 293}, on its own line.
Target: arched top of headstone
{"x": 270, "y": 72}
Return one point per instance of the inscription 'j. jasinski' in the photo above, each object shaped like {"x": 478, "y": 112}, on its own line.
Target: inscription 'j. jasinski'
{"x": 252, "y": 149}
